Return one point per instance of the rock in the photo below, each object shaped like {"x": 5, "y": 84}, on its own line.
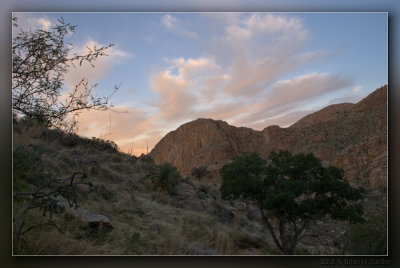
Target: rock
{"x": 205, "y": 142}
{"x": 93, "y": 220}
{"x": 84, "y": 215}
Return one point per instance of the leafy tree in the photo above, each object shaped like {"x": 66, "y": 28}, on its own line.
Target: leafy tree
{"x": 40, "y": 59}
{"x": 292, "y": 192}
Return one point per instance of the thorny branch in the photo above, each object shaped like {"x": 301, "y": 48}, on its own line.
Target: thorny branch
{"x": 45, "y": 199}
{"x": 40, "y": 60}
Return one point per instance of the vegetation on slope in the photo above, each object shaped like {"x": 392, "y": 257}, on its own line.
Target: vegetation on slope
{"x": 152, "y": 209}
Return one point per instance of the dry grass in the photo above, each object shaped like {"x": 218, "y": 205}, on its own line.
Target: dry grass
{"x": 146, "y": 220}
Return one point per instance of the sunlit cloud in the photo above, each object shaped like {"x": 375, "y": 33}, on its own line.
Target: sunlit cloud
{"x": 264, "y": 47}
{"x": 45, "y": 23}
{"x": 245, "y": 78}
{"x": 130, "y": 128}
{"x": 249, "y": 69}
{"x": 248, "y": 90}
{"x": 288, "y": 95}
{"x": 101, "y": 65}
{"x": 174, "y": 98}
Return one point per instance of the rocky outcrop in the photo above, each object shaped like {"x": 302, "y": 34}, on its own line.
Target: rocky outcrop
{"x": 206, "y": 142}
{"x": 351, "y": 136}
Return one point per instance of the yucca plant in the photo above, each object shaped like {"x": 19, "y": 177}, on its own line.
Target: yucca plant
{"x": 167, "y": 178}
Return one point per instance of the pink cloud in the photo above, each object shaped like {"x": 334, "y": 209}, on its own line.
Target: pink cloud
{"x": 101, "y": 65}
{"x": 244, "y": 89}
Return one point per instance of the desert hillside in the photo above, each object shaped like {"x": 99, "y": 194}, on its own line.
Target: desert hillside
{"x": 99, "y": 201}
{"x": 350, "y": 136}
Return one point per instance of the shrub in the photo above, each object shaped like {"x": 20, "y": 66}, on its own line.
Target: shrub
{"x": 27, "y": 164}
{"x": 200, "y": 172}
{"x": 46, "y": 199}
{"x": 203, "y": 190}
{"x": 168, "y": 177}
{"x": 370, "y": 237}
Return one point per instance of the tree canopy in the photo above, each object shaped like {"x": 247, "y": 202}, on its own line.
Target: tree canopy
{"x": 292, "y": 191}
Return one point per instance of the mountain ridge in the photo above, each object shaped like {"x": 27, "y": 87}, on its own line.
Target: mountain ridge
{"x": 351, "y": 136}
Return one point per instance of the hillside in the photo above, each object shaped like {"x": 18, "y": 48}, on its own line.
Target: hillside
{"x": 126, "y": 205}
{"x": 351, "y": 136}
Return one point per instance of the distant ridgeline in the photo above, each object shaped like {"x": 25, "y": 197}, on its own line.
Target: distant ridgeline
{"x": 350, "y": 136}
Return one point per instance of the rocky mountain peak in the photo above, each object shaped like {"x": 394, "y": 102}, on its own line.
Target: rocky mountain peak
{"x": 351, "y": 136}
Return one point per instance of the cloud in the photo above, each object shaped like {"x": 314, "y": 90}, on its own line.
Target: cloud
{"x": 263, "y": 47}
{"x": 32, "y": 22}
{"x": 247, "y": 90}
{"x": 185, "y": 86}
{"x": 284, "y": 120}
{"x": 174, "y": 99}
{"x": 172, "y": 24}
{"x": 352, "y": 96}
{"x": 131, "y": 131}
{"x": 357, "y": 89}
{"x": 246, "y": 78}
{"x": 45, "y": 23}
{"x": 168, "y": 21}
{"x": 101, "y": 65}
{"x": 287, "y": 95}
{"x": 305, "y": 87}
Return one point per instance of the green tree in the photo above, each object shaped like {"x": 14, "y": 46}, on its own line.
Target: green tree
{"x": 40, "y": 59}
{"x": 292, "y": 192}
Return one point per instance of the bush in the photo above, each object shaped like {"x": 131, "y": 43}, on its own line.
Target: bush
{"x": 168, "y": 177}
{"x": 200, "y": 172}
{"x": 27, "y": 164}
{"x": 370, "y": 237}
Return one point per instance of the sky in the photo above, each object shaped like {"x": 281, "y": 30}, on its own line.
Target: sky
{"x": 248, "y": 69}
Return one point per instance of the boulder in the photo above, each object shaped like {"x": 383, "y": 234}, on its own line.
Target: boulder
{"x": 84, "y": 215}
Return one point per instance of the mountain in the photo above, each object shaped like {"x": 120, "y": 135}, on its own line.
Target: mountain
{"x": 350, "y": 136}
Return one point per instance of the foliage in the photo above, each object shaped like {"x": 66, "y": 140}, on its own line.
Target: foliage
{"x": 45, "y": 199}
{"x": 27, "y": 164}
{"x": 369, "y": 237}
{"x": 168, "y": 177}
{"x": 40, "y": 59}
{"x": 200, "y": 172}
{"x": 72, "y": 140}
{"x": 292, "y": 191}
